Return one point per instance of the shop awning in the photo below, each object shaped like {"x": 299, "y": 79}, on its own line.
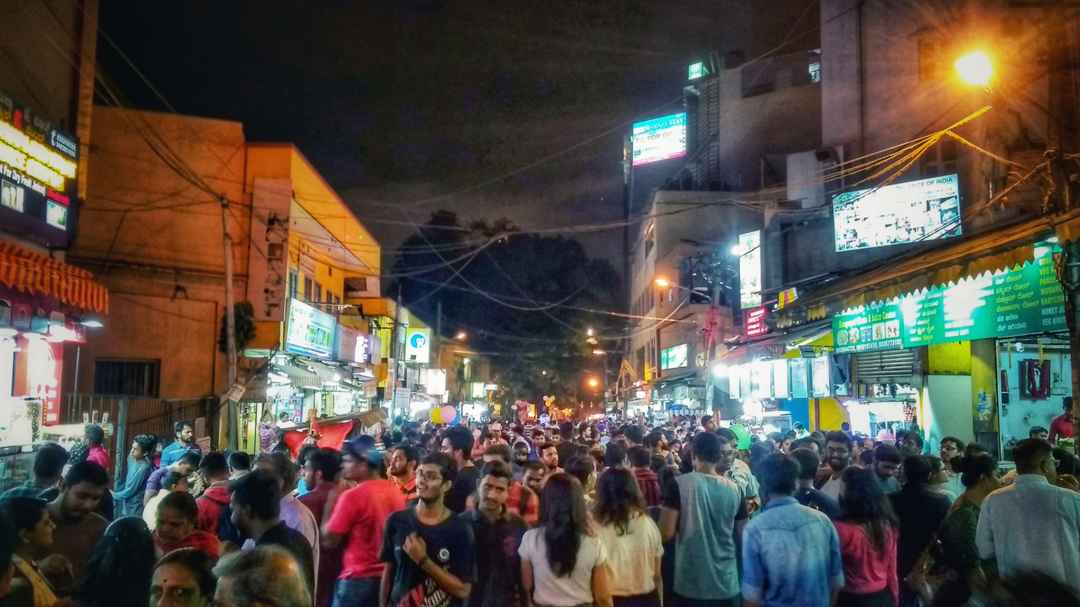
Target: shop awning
{"x": 30, "y": 272}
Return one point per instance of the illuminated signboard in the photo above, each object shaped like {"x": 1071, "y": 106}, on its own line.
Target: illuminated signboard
{"x": 38, "y": 169}
{"x": 417, "y": 345}
{"x": 659, "y": 139}
{"x": 754, "y": 321}
{"x": 674, "y": 357}
{"x": 781, "y": 385}
{"x": 311, "y": 331}
{"x": 820, "y": 378}
{"x": 697, "y": 71}
{"x": 1018, "y": 301}
{"x": 799, "y": 388}
{"x": 749, "y": 250}
{"x": 927, "y": 209}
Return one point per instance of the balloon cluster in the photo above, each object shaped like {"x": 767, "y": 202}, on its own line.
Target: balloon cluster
{"x": 443, "y": 415}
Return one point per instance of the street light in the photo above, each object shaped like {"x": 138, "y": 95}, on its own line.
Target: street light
{"x": 975, "y": 68}
{"x": 461, "y": 336}
{"x": 594, "y": 383}
{"x": 590, "y": 332}
{"x": 662, "y": 282}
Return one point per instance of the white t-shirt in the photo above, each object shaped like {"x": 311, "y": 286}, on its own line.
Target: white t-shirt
{"x": 833, "y": 488}
{"x": 632, "y": 556}
{"x": 569, "y": 590}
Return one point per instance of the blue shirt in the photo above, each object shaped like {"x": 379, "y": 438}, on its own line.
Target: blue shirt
{"x": 705, "y": 554}
{"x": 791, "y": 556}
{"x": 174, "y": 451}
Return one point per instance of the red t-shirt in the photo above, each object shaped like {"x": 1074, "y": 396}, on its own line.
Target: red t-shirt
{"x": 1062, "y": 427}
{"x": 360, "y": 514}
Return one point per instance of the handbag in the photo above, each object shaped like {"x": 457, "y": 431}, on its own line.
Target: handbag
{"x": 930, "y": 572}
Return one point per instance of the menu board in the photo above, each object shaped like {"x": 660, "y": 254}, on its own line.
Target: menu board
{"x": 1019, "y": 301}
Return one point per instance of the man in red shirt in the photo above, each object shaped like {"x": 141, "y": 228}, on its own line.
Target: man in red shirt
{"x": 1064, "y": 425}
{"x": 320, "y": 476}
{"x": 647, "y": 480}
{"x": 403, "y": 461}
{"x": 215, "y": 499}
{"x": 357, "y": 521}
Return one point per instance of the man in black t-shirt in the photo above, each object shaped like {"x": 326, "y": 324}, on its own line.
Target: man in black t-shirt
{"x": 805, "y": 492}
{"x": 430, "y": 554}
{"x": 498, "y": 534}
{"x": 457, "y": 445}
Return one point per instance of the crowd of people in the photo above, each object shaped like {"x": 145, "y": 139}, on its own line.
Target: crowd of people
{"x": 606, "y": 514}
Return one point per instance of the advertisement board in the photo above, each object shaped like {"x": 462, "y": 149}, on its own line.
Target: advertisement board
{"x": 820, "y": 378}
{"x": 781, "y": 385}
{"x": 798, "y": 373}
{"x": 418, "y": 345}
{"x": 352, "y": 345}
{"x": 311, "y": 331}
{"x": 1018, "y": 301}
{"x": 926, "y": 209}
{"x": 659, "y": 139}
{"x": 754, "y": 321}
{"x": 38, "y": 170}
{"x": 749, "y": 249}
{"x": 674, "y": 357}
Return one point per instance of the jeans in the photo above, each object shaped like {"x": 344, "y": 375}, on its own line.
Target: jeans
{"x": 357, "y": 592}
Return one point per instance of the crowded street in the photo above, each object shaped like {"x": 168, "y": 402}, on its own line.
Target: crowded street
{"x": 601, "y": 303}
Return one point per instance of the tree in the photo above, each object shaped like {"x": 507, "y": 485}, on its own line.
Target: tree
{"x": 499, "y": 285}
{"x": 244, "y": 314}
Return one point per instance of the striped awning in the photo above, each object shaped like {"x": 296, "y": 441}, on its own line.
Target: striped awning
{"x": 29, "y": 272}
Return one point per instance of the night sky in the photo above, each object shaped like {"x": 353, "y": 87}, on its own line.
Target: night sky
{"x": 399, "y": 101}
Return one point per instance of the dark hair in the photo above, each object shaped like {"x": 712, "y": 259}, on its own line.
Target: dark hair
{"x": 974, "y": 467}
{"x": 808, "y": 462}
{"x": 838, "y": 437}
{"x": 191, "y": 458}
{"x": 545, "y": 446}
{"x": 171, "y": 479}
{"x": 1028, "y": 453}
{"x": 327, "y": 461}
{"x": 618, "y": 499}
{"x": 615, "y": 455}
{"x": 1066, "y": 403}
{"x": 566, "y": 429}
{"x": 24, "y": 512}
{"x": 778, "y": 474}
{"x": 304, "y": 453}
{"x": 238, "y": 460}
{"x": 652, "y": 439}
{"x": 95, "y": 435}
{"x": 917, "y": 471}
{"x": 916, "y": 436}
{"x": 563, "y": 520}
{"x": 952, "y": 439}
{"x": 803, "y": 443}
{"x": 120, "y": 566}
{"x": 640, "y": 457}
{"x": 214, "y": 464}
{"x": 179, "y": 426}
{"x": 581, "y": 468}
{"x": 146, "y": 442}
{"x": 657, "y": 463}
{"x": 1037, "y": 430}
{"x": 197, "y": 563}
{"x": 49, "y": 461}
{"x": 412, "y": 454}
{"x": 887, "y": 453}
{"x": 534, "y": 465}
{"x": 707, "y": 447}
{"x": 501, "y": 450}
{"x": 460, "y": 439}
{"x": 258, "y": 490}
{"x": 181, "y": 502}
{"x": 447, "y": 466}
{"x": 86, "y": 472}
{"x": 284, "y": 468}
{"x": 864, "y": 502}
{"x": 727, "y": 435}
{"x": 634, "y": 434}
{"x": 866, "y": 457}
{"x": 705, "y": 418}
{"x": 498, "y": 470}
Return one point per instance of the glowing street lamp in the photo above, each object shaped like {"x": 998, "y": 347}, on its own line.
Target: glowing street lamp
{"x": 461, "y": 336}
{"x": 594, "y": 383}
{"x": 662, "y": 282}
{"x": 975, "y": 68}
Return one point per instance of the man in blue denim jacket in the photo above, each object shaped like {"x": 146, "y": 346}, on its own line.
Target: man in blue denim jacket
{"x": 791, "y": 553}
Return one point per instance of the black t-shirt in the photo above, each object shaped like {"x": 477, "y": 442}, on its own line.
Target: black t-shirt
{"x": 825, "y": 504}
{"x": 297, "y": 545}
{"x": 450, "y": 545}
{"x": 498, "y": 566}
{"x": 464, "y": 486}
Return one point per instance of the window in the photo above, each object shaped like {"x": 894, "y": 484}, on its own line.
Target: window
{"x": 318, "y": 293}
{"x": 127, "y": 377}
{"x": 356, "y": 286}
{"x": 293, "y": 286}
{"x": 308, "y": 288}
{"x": 650, "y": 238}
{"x": 941, "y": 159}
{"x": 814, "y": 70}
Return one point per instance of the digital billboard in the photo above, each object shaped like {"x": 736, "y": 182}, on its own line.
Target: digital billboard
{"x": 674, "y": 357}
{"x": 311, "y": 331}
{"x": 749, "y": 249}
{"x": 926, "y": 209}
{"x": 659, "y": 139}
{"x": 38, "y": 169}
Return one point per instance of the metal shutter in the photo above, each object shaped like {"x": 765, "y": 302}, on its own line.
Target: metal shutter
{"x": 891, "y": 367}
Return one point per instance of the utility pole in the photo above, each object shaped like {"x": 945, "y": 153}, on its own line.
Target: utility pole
{"x": 230, "y": 317}
{"x": 395, "y": 352}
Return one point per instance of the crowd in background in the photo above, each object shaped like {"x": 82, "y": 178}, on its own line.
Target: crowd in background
{"x": 499, "y": 515}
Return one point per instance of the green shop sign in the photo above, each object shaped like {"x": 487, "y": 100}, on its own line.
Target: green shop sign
{"x": 1019, "y": 301}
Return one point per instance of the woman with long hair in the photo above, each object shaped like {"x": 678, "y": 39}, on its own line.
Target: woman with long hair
{"x": 562, "y": 564}
{"x": 868, "y": 535}
{"x": 120, "y": 566}
{"x": 978, "y": 473}
{"x": 631, "y": 540}
{"x": 34, "y": 536}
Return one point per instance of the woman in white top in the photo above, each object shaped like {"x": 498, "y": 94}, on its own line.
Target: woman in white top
{"x": 631, "y": 540}
{"x": 562, "y": 565}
